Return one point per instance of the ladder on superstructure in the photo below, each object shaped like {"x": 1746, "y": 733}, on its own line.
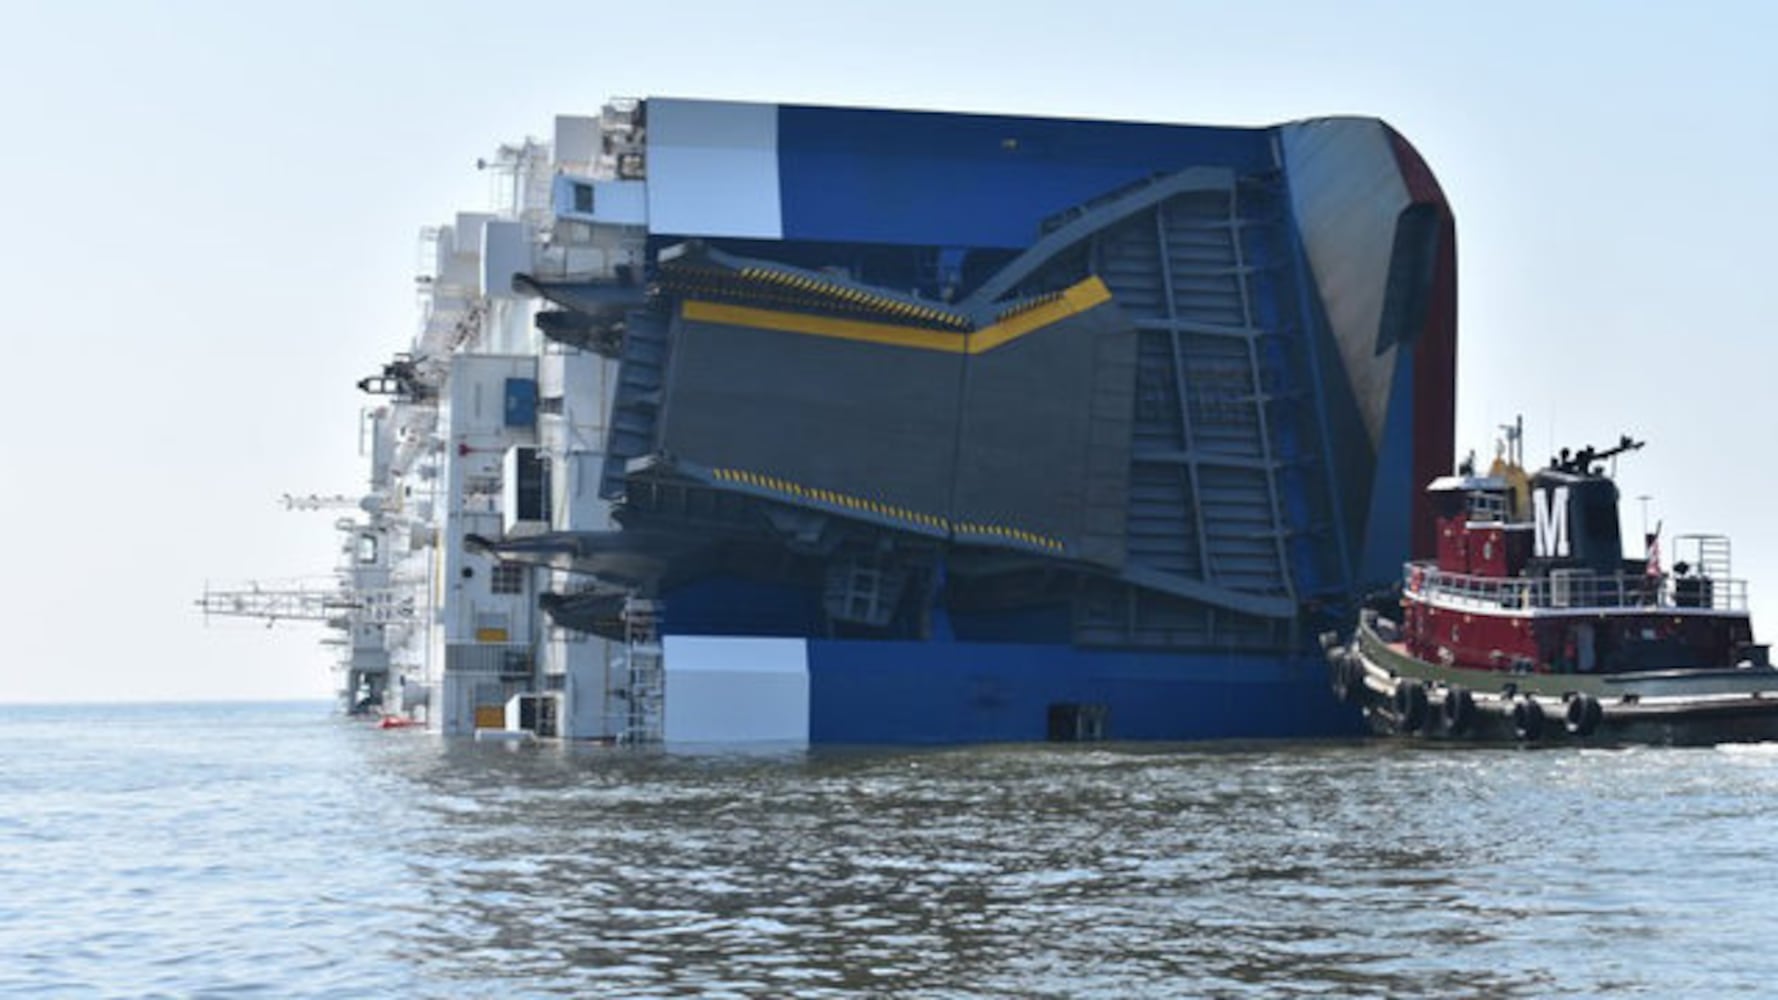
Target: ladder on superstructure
{"x": 300, "y": 602}
{"x": 1709, "y": 554}
{"x": 645, "y": 687}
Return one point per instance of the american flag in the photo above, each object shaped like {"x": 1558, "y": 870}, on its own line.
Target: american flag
{"x": 1653, "y": 544}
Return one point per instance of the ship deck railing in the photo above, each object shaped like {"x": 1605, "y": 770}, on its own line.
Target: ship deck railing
{"x": 1572, "y": 591}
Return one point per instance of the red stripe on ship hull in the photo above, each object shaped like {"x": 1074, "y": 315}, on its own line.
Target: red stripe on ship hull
{"x": 1435, "y": 353}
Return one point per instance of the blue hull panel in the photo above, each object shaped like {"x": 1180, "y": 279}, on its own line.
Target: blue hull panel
{"x": 939, "y": 692}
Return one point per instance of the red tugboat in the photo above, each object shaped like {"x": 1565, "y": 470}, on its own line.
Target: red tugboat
{"x": 1530, "y": 625}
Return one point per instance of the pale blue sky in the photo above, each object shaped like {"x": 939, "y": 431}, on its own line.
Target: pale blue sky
{"x": 212, "y": 212}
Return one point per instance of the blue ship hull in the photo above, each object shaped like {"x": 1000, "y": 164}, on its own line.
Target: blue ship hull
{"x": 913, "y": 692}
{"x": 787, "y": 690}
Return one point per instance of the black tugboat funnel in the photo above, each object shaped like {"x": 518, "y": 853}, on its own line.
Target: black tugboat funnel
{"x": 1575, "y": 523}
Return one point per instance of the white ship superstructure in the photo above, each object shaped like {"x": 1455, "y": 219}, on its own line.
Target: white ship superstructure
{"x": 492, "y": 436}
{"x": 483, "y": 432}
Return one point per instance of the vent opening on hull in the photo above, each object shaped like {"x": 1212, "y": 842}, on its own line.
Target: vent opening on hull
{"x": 1074, "y": 722}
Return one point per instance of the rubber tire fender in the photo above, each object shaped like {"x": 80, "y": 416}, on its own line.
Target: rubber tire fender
{"x": 1527, "y": 720}
{"x": 1582, "y": 715}
{"x": 1458, "y": 711}
{"x": 1410, "y": 706}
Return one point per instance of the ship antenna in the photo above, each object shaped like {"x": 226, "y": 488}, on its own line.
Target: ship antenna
{"x": 1515, "y": 440}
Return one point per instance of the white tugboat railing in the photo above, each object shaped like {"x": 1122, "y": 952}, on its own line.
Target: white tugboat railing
{"x": 1571, "y": 590}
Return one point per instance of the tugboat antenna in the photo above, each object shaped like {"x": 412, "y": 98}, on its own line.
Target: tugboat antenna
{"x": 1515, "y": 440}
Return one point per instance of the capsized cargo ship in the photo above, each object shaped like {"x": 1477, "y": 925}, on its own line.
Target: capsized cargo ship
{"x": 928, "y": 427}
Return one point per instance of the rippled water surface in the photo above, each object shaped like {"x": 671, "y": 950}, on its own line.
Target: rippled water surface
{"x": 277, "y": 850}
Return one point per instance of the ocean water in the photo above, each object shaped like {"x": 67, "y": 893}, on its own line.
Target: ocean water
{"x": 278, "y": 850}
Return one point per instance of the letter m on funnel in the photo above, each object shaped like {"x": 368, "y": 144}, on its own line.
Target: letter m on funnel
{"x": 1550, "y": 511}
